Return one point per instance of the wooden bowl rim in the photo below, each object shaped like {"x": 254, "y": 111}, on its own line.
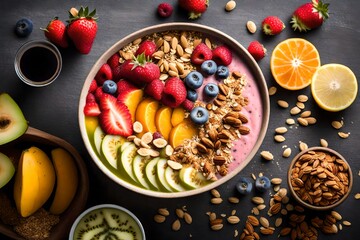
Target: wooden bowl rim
{"x": 59, "y": 231}
{"x": 310, "y": 206}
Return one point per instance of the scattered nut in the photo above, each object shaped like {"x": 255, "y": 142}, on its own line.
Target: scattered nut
{"x": 230, "y": 5}
{"x": 266, "y": 155}
{"x": 251, "y": 27}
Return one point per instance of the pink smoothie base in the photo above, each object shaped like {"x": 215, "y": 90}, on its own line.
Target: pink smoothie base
{"x": 253, "y": 111}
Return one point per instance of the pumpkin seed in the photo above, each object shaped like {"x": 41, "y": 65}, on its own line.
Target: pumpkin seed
{"x": 283, "y": 103}
{"x": 273, "y": 89}
{"x": 287, "y": 152}
{"x": 159, "y": 218}
{"x": 323, "y": 142}
{"x": 267, "y": 155}
{"x": 176, "y": 225}
{"x": 251, "y": 27}
{"x": 337, "y": 124}
{"x": 230, "y": 5}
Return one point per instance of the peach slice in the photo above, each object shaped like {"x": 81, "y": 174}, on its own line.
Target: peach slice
{"x": 163, "y": 121}
{"x": 178, "y": 115}
{"x": 145, "y": 114}
{"x": 184, "y": 130}
{"x": 132, "y": 99}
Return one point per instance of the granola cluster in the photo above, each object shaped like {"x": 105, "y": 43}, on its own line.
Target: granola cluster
{"x": 210, "y": 150}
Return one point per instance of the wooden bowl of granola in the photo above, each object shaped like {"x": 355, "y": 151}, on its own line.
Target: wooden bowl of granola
{"x": 41, "y": 223}
{"x": 193, "y": 158}
{"x": 320, "y": 178}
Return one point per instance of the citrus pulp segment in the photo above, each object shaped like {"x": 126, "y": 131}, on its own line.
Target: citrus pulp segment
{"x": 293, "y": 63}
{"x": 334, "y": 87}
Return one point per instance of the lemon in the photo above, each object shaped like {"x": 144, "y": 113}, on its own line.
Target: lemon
{"x": 334, "y": 87}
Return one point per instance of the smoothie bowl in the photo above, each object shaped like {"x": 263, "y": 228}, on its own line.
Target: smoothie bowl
{"x": 185, "y": 110}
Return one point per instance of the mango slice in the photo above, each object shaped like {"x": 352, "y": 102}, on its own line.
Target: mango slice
{"x": 34, "y": 181}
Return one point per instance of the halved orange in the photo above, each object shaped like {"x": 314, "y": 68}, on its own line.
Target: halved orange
{"x": 293, "y": 63}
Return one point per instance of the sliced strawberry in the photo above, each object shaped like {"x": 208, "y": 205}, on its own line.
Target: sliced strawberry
{"x": 92, "y": 109}
{"x": 93, "y": 86}
{"x": 115, "y": 117}
{"x": 103, "y": 74}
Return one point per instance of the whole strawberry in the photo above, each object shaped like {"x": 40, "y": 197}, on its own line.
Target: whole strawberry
{"x": 272, "y": 25}
{"x": 310, "y": 15}
{"x": 56, "y": 33}
{"x": 82, "y": 29}
{"x": 139, "y": 71}
{"x": 194, "y": 7}
{"x": 257, "y": 50}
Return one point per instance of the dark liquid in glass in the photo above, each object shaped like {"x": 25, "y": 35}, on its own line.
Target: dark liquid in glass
{"x": 38, "y": 64}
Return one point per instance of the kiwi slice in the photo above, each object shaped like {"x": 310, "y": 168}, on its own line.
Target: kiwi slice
{"x": 191, "y": 178}
{"x": 107, "y": 223}
{"x": 160, "y": 174}
{"x": 109, "y": 148}
{"x": 150, "y": 173}
{"x": 98, "y": 137}
{"x": 7, "y": 170}
{"x": 138, "y": 166}
{"x": 12, "y": 121}
{"x": 173, "y": 179}
{"x": 124, "y": 162}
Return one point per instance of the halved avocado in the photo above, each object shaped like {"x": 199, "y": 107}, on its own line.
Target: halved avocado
{"x": 7, "y": 170}
{"x": 12, "y": 121}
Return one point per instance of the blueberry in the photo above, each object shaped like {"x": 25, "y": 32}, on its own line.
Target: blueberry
{"x": 194, "y": 80}
{"x": 211, "y": 90}
{"x": 191, "y": 95}
{"x": 244, "y": 186}
{"x": 23, "y": 27}
{"x": 109, "y": 86}
{"x": 209, "y": 67}
{"x": 222, "y": 72}
{"x": 262, "y": 183}
{"x": 199, "y": 115}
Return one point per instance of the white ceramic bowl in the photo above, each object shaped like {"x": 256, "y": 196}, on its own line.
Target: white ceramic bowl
{"x": 212, "y": 33}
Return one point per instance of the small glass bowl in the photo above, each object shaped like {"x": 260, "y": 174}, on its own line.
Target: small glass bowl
{"x": 38, "y": 63}
{"x": 119, "y": 209}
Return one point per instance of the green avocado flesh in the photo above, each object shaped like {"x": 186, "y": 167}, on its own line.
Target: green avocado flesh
{"x": 7, "y": 170}
{"x": 12, "y": 121}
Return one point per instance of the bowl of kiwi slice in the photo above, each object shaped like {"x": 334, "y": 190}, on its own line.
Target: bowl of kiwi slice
{"x": 107, "y": 221}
